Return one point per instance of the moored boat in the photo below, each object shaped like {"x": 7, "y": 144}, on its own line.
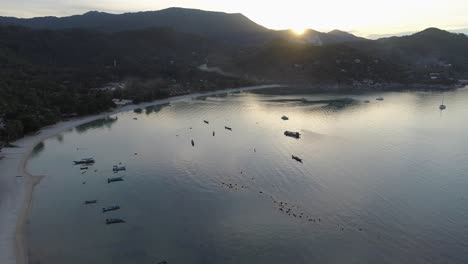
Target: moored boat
{"x": 228, "y": 128}
{"x": 84, "y": 161}
{"x": 442, "y": 106}
{"x": 285, "y": 118}
{"x": 116, "y": 179}
{"x": 110, "y": 221}
{"x": 110, "y": 208}
{"x": 297, "y": 158}
{"x": 292, "y": 134}
{"x": 118, "y": 168}
{"x": 90, "y": 201}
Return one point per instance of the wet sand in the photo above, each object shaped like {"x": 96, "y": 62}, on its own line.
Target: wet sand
{"x": 17, "y": 184}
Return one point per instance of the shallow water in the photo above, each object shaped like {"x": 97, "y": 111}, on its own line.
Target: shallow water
{"x": 383, "y": 182}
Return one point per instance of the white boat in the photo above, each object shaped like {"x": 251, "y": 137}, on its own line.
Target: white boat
{"x": 442, "y": 106}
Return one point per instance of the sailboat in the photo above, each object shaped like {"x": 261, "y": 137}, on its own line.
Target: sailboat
{"x": 442, "y": 106}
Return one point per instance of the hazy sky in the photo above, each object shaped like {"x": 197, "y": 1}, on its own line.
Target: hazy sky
{"x": 362, "y": 17}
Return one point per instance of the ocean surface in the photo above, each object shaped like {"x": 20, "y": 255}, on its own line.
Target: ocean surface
{"x": 381, "y": 182}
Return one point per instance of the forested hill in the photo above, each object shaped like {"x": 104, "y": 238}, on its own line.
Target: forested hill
{"x": 217, "y": 26}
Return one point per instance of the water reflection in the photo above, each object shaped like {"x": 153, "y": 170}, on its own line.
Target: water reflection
{"x": 155, "y": 108}
{"x": 364, "y": 193}
{"x": 37, "y": 149}
{"x": 59, "y": 138}
{"x": 106, "y": 122}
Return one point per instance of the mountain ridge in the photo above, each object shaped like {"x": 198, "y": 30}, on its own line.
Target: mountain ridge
{"x": 229, "y": 27}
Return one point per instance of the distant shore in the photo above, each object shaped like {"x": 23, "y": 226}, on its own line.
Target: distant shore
{"x": 17, "y": 184}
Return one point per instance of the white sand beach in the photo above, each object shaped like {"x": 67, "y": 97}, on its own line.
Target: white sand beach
{"x": 16, "y": 184}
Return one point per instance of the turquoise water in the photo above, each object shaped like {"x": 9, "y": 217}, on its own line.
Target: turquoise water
{"x": 380, "y": 182}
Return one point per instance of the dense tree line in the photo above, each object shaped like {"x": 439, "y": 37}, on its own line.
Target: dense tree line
{"x": 46, "y": 76}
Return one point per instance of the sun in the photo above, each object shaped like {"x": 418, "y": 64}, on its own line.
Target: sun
{"x": 299, "y": 31}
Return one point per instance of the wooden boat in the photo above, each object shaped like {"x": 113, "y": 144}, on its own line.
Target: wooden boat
{"x": 110, "y": 208}
{"x": 84, "y": 161}
{"x": 116, "y": 179}
{"x": 297, "y": 158}
{"x": 292, "y": 134}
{"x": 110, "y": 221}
{"x": 117, "y": 168}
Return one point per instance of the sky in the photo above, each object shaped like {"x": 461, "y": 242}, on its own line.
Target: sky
{"x": 361, "y": 17}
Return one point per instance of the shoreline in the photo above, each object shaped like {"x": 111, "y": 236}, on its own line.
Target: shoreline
{"x": 17, "y": 184}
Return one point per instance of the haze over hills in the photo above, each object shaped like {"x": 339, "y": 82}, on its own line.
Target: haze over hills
{"x": 431, "y": 47}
